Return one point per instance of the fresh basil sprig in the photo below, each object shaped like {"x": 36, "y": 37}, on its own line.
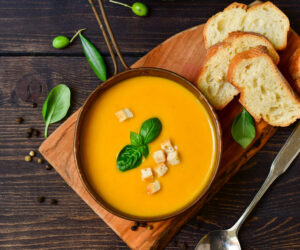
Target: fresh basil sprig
{"x": 243, "y": 129}
{"x": 150, "y": 129}
{"x": 131, "y": 155}
{"x": 56, "y": 105}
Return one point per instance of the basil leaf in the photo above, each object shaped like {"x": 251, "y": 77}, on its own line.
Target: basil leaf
{"x": 94, "y": 58}
{"x": 144, "y": 150}
{"x": 150, "y": 129}
{"x": 56, "y": 105}
{"x": 129, "y": 157}
{"x": 243, "y": 129}
{"x": 136, "y": 139}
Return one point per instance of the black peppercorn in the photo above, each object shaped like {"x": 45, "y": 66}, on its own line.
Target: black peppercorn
{"x": 134, "y": 228}
{"x": 54, "y": 202}
{"x": 36, "y": 133}
{"x": 34, "y": 105}
{"x": 30, "y": 130}
{"x": 28, "y": 135}
{"x": 48, "y": 167}
{"x": 41, "y": 199}
{"x": 19, "y": 120}
{"x": 136, "y": 223}
{"x": 143, "y": 224}
{"x": 183, "y": 245}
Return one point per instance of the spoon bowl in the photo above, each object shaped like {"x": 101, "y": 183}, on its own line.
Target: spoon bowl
{"x": 219, "y": 240}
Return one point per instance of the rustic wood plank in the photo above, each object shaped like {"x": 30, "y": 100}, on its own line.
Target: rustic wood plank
{"x": 30, "y": 26}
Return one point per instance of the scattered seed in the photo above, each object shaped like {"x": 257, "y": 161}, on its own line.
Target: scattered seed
{"x": 48, "y": 167}
{"x": 143, "y": 224}
{"x": 150, "y": 227}
{"x": 28, "y": 158}
{"x": 136, "y": 223}
{"x": 41, "y": 199}
{"x": 54, "y": 202}
{"x": 28, "y": 135}
{"x": 32, "y": 153}
{"x": 30, "y": 130}
{"x": 19, "y": 120}
{"x": 34, "y": 105}
{"x": 183, "y": 245}
{"x": 134, "y": 228}
{"x": 36, "y": 133}
{"x": 40, "y": 160}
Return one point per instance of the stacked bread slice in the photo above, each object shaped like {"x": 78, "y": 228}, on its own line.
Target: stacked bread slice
{"x": 212, "y": 80}
{"x": 265, "y": 93}
{"x": 264, "y": 18}
{"x": 241, "y": 58}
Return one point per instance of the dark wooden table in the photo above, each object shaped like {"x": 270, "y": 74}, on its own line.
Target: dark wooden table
{"x": 30, "y": 67}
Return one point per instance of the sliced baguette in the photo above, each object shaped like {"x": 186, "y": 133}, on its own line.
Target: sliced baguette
{"x": 264, "y": 18}
{"x": 212, "y": 79}
{"x": 265, "y": 93}
{"x": 295, "y": 69}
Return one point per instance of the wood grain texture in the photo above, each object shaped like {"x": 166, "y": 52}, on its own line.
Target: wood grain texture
{"x": 183, "y": 54}
{"x": 28, "y": 61}
{"x": 28, "y": 27}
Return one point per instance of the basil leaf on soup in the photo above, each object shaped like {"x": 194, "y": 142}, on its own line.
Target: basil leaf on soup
{"x": 129, "y": 157}
{"x": 144, "y": 150}
{"x": 150, "y": 129}
{"x": 56, "y": 105}
{"x": 136, "y": 139}
{"x": 243, "y": 129}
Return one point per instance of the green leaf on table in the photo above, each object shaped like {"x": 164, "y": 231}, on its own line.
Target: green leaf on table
{"x": 56, "y": 105}
{"x": 243, "y": 129}
{"x": 94, "y": 58}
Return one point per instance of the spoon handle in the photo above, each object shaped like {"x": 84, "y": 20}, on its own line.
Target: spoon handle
{"x": 285, "y": 157}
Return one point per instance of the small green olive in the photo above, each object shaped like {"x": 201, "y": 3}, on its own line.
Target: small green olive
{"x": 60, "y": 42}
{"x": 139, "y": 9}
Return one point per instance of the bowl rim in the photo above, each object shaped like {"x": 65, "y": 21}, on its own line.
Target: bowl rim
{"x": 145, "y": 71}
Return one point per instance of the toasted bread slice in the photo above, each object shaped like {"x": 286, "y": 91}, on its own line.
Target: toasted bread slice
{"x": 265, "y": 93}
{"x": 265, "y": 19}
{"x": 295, "y": 69}
{"x": 212, "y": 80}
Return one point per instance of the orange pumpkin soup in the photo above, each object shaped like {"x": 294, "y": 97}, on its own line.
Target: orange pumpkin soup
{"x": 184, "y": 121}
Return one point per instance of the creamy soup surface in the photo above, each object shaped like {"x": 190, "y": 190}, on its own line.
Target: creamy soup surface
{"x": 184, "y": 121}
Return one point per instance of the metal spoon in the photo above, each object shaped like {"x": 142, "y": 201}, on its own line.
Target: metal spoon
{"x": 227, "y": 239}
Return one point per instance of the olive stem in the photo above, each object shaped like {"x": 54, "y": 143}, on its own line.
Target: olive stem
{"x": 77, "y": 33}
{"x": 126, "y": 5}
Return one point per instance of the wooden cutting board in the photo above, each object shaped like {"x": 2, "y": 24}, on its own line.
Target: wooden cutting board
{"x": 183, "y": 53}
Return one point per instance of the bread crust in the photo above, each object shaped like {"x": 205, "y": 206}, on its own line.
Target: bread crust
{"x": 297, "y": 85}
{"x": 237, "y": 34}
{"x": 250, "y": 8}
{"x": 211, "y": 53}
{"x": 260, "y": 51}
{"x": 236, "y": 5}
{"x": 295, "y": 64}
